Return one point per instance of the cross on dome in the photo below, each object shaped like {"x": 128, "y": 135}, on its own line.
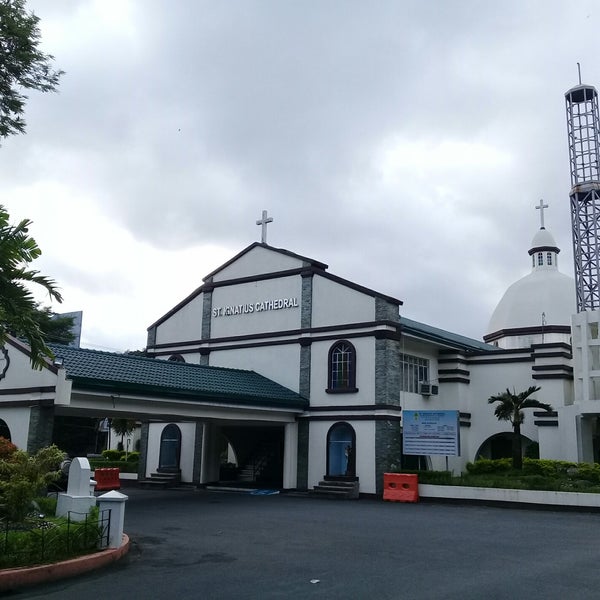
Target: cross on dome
{"x": 541, "y": 208}
{"x": 263, "y": 223}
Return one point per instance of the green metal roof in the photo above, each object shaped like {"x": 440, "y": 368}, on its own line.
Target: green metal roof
{"x": 441, "y": 336}
{"x": 94, "y": 369}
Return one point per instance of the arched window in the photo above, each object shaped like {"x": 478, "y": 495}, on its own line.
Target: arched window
{"x": 540, "y": 259}
{"x": 342, "y": 368}
{"x": 341, "y": 456}
{"x": 176, "y": 358}
{"x": 549, "y": 258}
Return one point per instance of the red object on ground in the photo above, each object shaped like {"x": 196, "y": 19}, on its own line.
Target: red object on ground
{"x": 399, "y": 487}
{"x": 107, "y": 479}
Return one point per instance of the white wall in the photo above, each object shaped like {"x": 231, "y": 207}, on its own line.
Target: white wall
{"x": 250, "y": 296}
{"x": 188, "y": 439}
{"x": 364, "y": 453}
{"x": 257, "y": 261}
{"x": 279, "y": 363}
{"x": 365, "y": 373}
{"x": 336, "y": 304}
{"x": 17, "y": 420}
{"x": 185, "y": 325}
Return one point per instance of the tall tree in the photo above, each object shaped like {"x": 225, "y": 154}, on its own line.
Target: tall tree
{"x": 17, "y": 305}
{"x": 510, "y": 408}
{"x": 55, "y": 328}
{"x": 22, "y": 65}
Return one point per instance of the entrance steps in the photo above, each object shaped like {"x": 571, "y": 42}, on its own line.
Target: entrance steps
{"x": 161, "y": 480}
{"x": 343, "y": 488}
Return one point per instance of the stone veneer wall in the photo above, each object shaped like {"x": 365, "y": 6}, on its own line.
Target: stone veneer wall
{"x": 206, "y": 314}
{"x": 386, "y": 311}
{"x": 41, "y": 425}
{"x": 387, "y": 449}
{"x": 387, "y": 371}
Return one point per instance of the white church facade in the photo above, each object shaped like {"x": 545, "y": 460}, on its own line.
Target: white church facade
{"x": 280, "y": 366}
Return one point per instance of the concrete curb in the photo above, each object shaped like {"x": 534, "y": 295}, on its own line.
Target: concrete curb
{"x": 576, "y": 501}
{"x": 11, "y": 579}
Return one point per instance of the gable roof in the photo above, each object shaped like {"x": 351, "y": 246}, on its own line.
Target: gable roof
{"x": 94, "y": 369}
{"x": 310, "y": 261}
{"x": 310, "y": 264}
{"x": 441, "y": 336}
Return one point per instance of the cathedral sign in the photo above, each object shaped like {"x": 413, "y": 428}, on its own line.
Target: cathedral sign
{"x": 256, "y": 307}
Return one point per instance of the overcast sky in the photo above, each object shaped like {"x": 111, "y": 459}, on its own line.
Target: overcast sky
{"x": 405, "y": 144}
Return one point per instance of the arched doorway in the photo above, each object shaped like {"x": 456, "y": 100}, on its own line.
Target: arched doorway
{"x": 341, "y": 456}
{"x": 4, "y": 430}
{"x": 170, "y": 448}
{"x": 500, "y": 446}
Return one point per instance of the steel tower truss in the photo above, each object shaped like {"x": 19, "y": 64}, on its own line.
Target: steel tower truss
{"x": 583, "y": 125}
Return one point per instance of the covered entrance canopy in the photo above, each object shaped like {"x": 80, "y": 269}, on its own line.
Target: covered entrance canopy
{"x": 203, "y": 399}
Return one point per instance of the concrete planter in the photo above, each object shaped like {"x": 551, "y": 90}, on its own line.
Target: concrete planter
{"x": 558, "y": 499}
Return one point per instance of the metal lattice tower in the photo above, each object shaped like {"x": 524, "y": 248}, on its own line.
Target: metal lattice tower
{"x": 583, "y": 124}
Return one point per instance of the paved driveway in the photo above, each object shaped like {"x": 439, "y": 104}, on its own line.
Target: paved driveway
{"x": 206, "y": 545}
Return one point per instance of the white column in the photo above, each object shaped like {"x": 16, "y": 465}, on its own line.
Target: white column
{"x": 115, "y": 502}
{"x": 290, "y": 457}
{"x": 209, "y": 468}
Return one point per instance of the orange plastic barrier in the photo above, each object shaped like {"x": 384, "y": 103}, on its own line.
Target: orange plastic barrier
{"x": 107, "y": 479}
{"x": 398, "y": 487}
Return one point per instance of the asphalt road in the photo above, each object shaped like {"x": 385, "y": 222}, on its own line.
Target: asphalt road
{"x": 213, "y": 545}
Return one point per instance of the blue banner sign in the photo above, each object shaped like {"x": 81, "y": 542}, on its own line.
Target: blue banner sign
{"x": 431, "y": 432}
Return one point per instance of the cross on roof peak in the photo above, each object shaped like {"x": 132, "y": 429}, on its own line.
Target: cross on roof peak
{"x": 263, "y": 222}
{"x": 541, "y": 208}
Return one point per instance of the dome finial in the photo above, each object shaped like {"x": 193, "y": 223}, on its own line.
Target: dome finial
{"x": 541, "y": 208}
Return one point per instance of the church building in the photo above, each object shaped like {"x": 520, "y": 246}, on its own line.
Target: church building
{"x": 291, "y": 374}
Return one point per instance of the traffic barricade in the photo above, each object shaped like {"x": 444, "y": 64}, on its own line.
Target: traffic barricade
{"x": 400, "y": 487}
{"x": 107, "y": 479}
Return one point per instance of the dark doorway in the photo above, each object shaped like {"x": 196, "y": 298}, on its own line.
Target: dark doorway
{"x": 4, "y": 430}
{"x": 170, "y": 448}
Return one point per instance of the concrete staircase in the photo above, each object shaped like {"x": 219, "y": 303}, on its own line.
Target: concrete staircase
{"x": 339, "y": 488}
{"x": 161, "y": 480}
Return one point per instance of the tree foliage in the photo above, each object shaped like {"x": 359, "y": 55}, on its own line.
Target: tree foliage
{"x": 18, "y": 309}
{"x": 123, "y": 427}
{"x": 55, "y": 328}
{"x": 510, "y": 408}
{"x": 22, "y": 65}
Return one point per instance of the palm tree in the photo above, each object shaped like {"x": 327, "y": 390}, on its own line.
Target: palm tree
{"x": 122, "y": 427}
{"x": 17, "y": 305}
{"x": 511, "y": 409}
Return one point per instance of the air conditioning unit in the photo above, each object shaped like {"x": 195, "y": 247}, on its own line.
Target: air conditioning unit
{"x": 427, "y": 389}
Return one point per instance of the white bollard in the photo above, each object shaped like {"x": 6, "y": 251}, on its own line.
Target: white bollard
{"x": 115, "y": 502}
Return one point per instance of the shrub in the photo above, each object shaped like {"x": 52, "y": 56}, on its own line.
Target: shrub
{"x": 24, "y": 477}
{"x": 46, "y": 505}
{"x": 7, "y": 448}
{"x": 132, "y": 457}
{"x": 486, "y": 465}
{"x": 112, "y": 454}
{"x": 547, "y": 468}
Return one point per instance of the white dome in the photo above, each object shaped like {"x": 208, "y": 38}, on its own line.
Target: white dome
{"x": 542, "y": 291}
{"x": 536, "y": 302}
{"x": 543, "y": 239}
